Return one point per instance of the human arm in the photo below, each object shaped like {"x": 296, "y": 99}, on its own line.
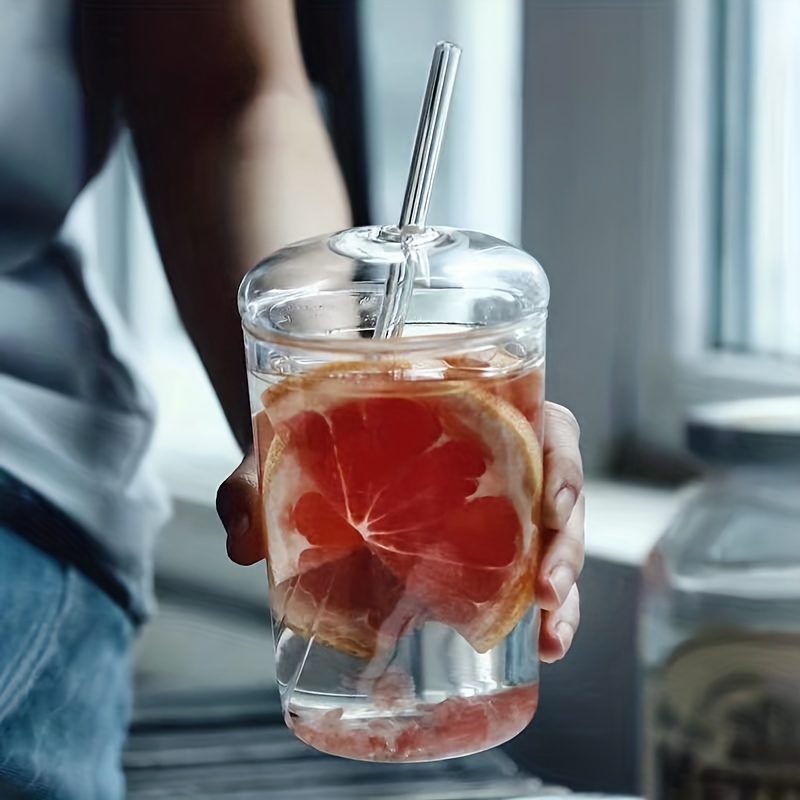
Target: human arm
{"x": 234, "y": 159}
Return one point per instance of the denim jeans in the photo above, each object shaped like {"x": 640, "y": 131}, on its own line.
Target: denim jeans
{"x": 65, "y": 680}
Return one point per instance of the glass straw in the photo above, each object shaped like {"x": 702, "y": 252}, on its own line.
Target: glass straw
{"x": 430, "y": 130}
{"x": 421, "y": 174}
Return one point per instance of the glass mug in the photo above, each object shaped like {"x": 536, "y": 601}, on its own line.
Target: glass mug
{"x": 397, "y": 390}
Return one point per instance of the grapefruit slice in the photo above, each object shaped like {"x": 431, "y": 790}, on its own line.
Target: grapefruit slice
{"x": 388, "y": 504}
{"x": 523, "y": 389}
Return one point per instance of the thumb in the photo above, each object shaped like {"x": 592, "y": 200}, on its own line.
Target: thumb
{"x": 239, "y": 508}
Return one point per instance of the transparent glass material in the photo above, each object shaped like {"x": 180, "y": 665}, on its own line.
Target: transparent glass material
{"x": 397, "y": 385}
{"x": 720, "y": 629}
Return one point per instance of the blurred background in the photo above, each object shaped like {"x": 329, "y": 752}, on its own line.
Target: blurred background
{"x": 647, "y": 152}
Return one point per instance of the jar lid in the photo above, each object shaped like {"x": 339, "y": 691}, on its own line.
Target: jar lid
{"x": 325, "y": 289}
{"x": 756, "y": 432}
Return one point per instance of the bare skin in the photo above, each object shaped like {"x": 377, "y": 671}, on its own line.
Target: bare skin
{"x": 236, "y": 163}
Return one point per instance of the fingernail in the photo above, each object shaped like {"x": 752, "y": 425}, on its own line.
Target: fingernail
{"x": 565, "y": 502}
{"x": 562, "y": 579}
{"x": 239, "y": 527}
{"x": 565, "y": 633}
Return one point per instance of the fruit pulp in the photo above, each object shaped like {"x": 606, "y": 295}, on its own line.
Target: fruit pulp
{"x": 401, "y": 513}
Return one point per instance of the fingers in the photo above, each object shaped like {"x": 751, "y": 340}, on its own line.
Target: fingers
{"x": 562, "y": 560}
{"x": 238, "y": 508}
{"x": 563, "y": 468}
{"x": 562, "y": 509}
{"x": 559, "y": 627}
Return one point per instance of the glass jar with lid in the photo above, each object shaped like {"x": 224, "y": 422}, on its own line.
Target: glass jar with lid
{"x": 397, "y": 389}
{"x": 720, "y": 616}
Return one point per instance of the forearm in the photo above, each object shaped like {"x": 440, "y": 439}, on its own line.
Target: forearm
{"x": 224, "y": 195}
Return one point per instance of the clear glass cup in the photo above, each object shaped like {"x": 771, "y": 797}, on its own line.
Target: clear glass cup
{"x": 401, "y": 477}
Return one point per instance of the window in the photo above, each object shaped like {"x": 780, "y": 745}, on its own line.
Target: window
{"x": 735, "y": 259}
{"x": 660, "y": 191}
{"x": 759, "y": 288}
{"x": 478, "y": 186}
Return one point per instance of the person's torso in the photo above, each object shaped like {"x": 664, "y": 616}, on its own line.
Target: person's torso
{"x": 74, "y": 420}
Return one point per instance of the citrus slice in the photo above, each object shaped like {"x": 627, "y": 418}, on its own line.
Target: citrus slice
{"x": 388, "y": 503}
{"x": 524, "y": 389}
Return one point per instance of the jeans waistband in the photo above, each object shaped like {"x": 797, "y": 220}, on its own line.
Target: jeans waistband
{"x": 33, "y": 517}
